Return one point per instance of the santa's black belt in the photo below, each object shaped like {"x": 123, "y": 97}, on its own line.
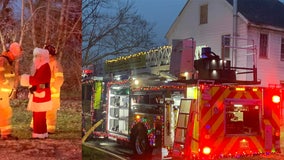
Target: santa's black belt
{"x": 39, "y": 86}
{"x": 42, "y": 86}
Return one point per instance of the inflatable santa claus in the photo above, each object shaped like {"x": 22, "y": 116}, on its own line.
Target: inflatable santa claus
{"x": 40, "y": 94}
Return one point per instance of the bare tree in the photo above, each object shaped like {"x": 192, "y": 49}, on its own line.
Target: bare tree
{"x": 47, "y": 22}
{"x": 34, "y": 23}
{"x": 8, "y": 28}
{"x": 7, "y": 24}
{"x": 112, "y": 28}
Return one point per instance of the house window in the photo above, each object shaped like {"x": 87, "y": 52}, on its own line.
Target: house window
{"x": 226, "y": 42}
{"x": 282, "y": 49}
{"x": 263, "y": 43}
{"x": 203, "y": 14}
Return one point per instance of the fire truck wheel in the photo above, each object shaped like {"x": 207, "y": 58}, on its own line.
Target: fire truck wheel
{"x": 141, "y": 144}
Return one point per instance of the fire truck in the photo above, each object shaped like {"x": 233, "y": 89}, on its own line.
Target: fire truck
{"x": 222, "y": 116}
{"x": 207, "y": 112}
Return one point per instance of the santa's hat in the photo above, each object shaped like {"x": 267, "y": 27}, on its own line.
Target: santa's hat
{"x": 42, "y": 54}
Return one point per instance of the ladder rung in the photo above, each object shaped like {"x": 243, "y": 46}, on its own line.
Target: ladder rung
{"x": 178, "y": 142}
{"x": 184, "y": 113}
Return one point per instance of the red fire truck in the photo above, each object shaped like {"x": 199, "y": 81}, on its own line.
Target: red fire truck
{"x": 209, "y": 115}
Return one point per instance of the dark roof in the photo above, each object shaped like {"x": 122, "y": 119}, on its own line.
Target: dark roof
{"x": 262, "y": 12}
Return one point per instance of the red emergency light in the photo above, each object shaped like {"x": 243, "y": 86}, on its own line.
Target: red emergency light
{"x": 87, "y": 71}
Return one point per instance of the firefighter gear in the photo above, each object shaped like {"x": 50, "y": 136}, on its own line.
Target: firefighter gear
{"x": 7, "y": 78}
{"x": 56, "y": 82}
{"x": 40, "y": 94}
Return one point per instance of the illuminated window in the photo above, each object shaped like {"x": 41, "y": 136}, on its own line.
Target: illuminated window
{"x": 263, "y": 44}
{"x": 204, "y": 14}
{"x": 282, "y": 49}
{"x": 242, "y": 119}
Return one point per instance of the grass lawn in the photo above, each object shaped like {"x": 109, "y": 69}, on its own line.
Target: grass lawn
{"x": 68, "y": 120}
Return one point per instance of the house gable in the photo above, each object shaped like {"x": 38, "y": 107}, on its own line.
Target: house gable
{"x": 187, "y": 24}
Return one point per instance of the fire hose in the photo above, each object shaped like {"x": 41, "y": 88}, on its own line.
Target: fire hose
{"x": 91, "y": 129}
{"x": 89, "y": 132}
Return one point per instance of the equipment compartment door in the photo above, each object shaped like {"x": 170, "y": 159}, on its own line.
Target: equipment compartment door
{"x": 186, "y": 133}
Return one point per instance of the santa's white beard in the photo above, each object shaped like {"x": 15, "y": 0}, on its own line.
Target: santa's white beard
{"x": 37, "y": 62}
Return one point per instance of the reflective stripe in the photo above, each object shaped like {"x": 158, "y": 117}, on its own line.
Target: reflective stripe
{"x": 6, "y": 82}
{"x": 58, "y": 74}
{"x": 6, "y": 90}
{"x": 8, "y": 127}
{"x": 50, "y": 129}
{"x": 53, "y": 89}
{"x": 32, "y": 123}
{"x": 6, "y": 130}
{"x": 9, "y": 75}
{"x": 56, "y": 95}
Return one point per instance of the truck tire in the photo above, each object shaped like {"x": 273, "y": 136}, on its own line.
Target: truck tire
{"x": 140, "y": 144}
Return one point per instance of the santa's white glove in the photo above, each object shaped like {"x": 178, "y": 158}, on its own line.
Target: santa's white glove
{"x": 25, "y": 80}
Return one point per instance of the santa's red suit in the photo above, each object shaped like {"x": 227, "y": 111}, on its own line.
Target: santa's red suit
{"x": 56, "y": 82}
{"x": 40, "y": 100}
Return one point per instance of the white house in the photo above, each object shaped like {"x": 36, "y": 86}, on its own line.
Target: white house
{"x": 258, "y": 26}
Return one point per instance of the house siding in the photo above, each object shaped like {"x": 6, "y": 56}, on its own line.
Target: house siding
{"x": 271, "y": 69}
{"x": 205, "y": 34}
{"x": 220, "y": 22}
